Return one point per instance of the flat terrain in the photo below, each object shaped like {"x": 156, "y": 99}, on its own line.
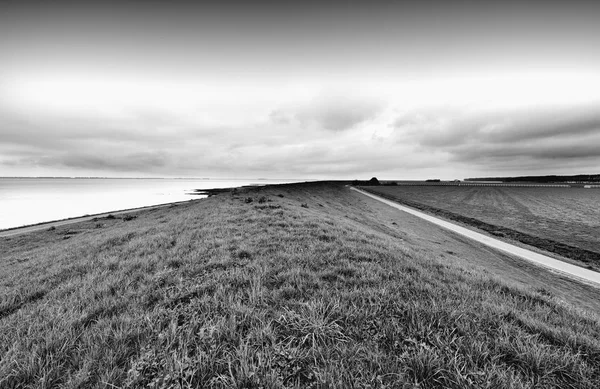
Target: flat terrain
{"x": 304, "y": 286}
{"x": 554, "y": 217}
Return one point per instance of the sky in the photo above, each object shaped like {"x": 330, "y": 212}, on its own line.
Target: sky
{"x": 341, "y": 90}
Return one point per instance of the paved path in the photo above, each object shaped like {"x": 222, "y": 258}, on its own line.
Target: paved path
{"x": 540, "y": 259}
{"x": 44, "y": 226}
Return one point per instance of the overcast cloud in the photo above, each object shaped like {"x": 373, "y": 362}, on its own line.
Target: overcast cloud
{"x": 542, "y": 136}
{"x": 292, "y": 90}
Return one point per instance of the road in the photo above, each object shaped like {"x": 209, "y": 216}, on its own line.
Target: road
{"x": 44, "y": 226}
{"x": 539, "y": 259}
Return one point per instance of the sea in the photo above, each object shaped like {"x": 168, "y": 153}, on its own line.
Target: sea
{"x": 26, "y": 201}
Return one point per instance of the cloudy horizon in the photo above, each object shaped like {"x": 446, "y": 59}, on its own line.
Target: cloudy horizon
{"x": 290, "y": 90}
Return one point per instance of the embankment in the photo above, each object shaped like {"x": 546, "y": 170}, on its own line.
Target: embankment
{"x": 282, "y": 286}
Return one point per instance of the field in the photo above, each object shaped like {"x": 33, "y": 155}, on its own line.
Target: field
{"x": 286, "y": 286}
{"x": 561, "y": 220}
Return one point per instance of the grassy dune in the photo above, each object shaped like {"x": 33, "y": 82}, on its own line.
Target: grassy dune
{"x": 301, "y": 287}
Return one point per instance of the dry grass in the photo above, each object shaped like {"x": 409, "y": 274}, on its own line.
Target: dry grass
{"x": 282, "y": 292}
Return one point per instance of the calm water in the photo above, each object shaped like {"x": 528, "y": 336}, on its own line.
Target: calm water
{"x": 26, "y": 201}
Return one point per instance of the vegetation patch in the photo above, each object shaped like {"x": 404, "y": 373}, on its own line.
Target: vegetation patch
{"x": 225, "y": 295}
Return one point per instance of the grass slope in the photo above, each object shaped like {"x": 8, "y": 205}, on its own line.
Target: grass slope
{"x": 298, "y": 288}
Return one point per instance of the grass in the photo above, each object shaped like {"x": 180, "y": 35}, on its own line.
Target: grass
{"x": 563, "y": 221}
{"x": 303, "y": 289}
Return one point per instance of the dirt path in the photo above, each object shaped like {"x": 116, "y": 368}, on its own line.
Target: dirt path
{"x": 43, "y": 226}
{"x": 539, "y": 259}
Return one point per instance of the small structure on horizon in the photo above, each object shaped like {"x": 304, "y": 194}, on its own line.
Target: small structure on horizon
{"x": 372, "y": 182}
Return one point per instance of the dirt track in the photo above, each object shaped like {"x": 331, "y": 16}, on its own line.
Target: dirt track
{"x": 539, "y": 259}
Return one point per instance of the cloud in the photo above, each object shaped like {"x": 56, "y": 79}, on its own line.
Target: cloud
{"x": 491, "y": 138}
{"x": 133, "y": 162}
{"x": 329, "y": 111}
{"x": 312, "y": 135}
{"x": 139, "y": 161}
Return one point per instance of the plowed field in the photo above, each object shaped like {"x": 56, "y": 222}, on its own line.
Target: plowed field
{"x": 568, "y": 216}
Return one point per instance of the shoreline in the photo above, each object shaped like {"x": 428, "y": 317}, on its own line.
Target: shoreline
{"x": 12, "y": 231}
{"x": 61, "y": 222}
{"x": 194, "y": 193}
